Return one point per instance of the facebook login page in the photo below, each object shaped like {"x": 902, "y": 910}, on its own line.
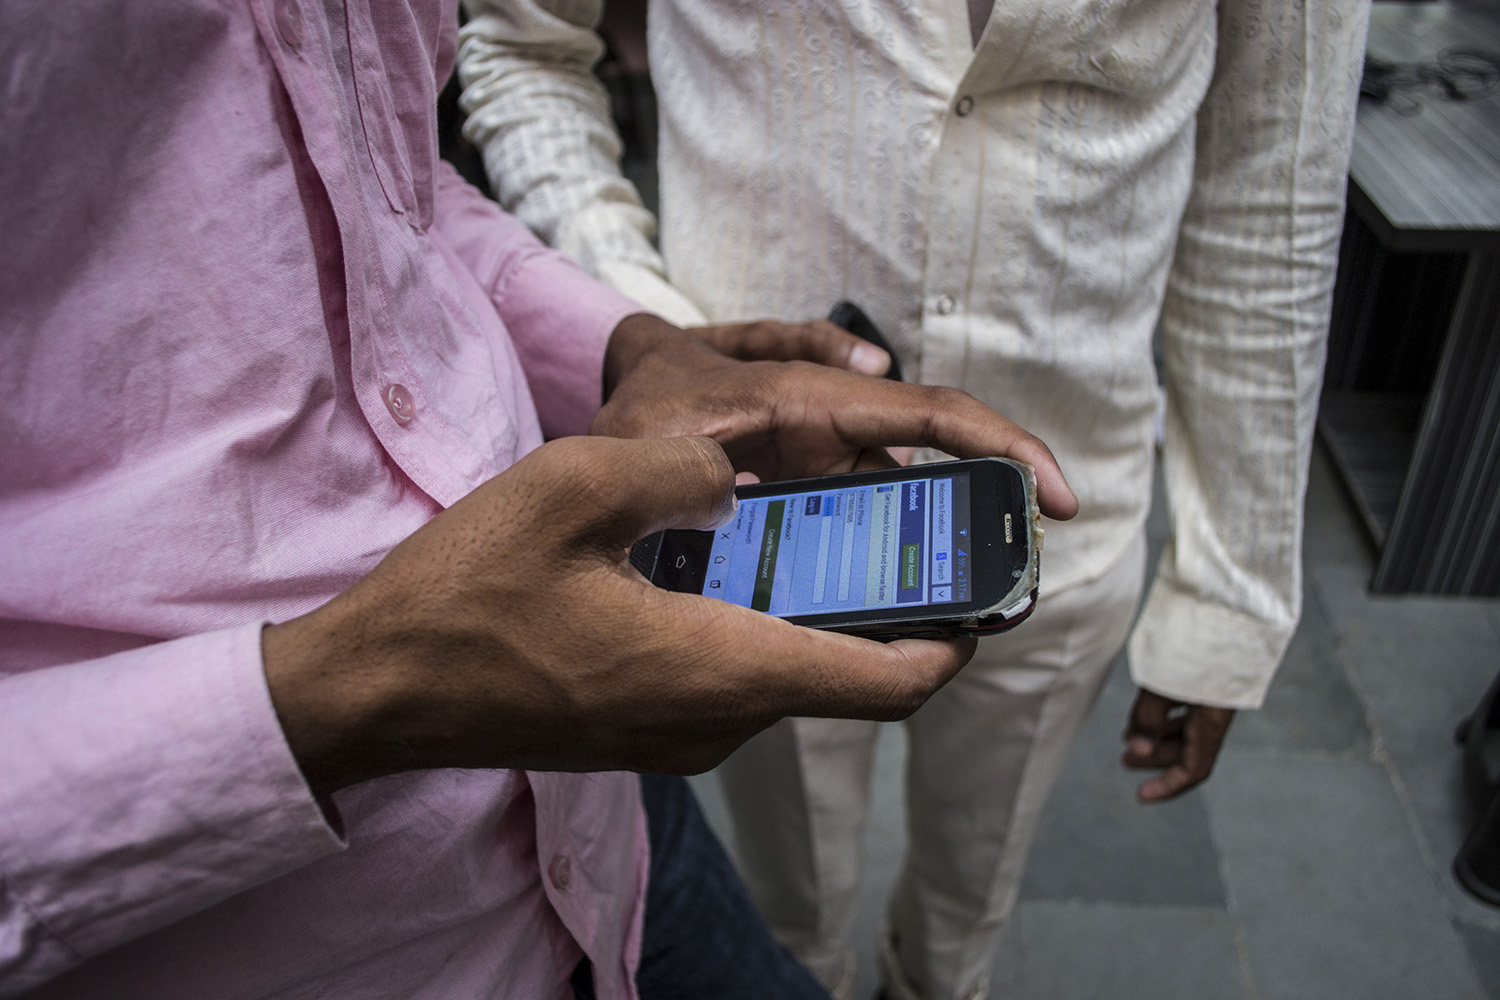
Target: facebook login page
{"x": 854, "y": 549}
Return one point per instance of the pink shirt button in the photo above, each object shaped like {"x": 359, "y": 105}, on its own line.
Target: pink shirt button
{"x": 560, "y": 872}
{"x": 399, "y": 400}
{"x": 289, "y": 23}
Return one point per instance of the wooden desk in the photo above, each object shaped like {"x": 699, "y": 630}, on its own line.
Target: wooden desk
{"x": 1411, "y": 402}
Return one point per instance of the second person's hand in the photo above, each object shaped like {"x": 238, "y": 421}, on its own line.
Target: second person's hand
{"x": 1179, "y": 739}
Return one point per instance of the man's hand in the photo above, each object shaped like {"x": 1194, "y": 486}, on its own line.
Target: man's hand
{"x": 819, "y": 341}
{"x": 1182, "y": 739}
{"x": 511, "y": 632}
{"x": 782, "y": 420}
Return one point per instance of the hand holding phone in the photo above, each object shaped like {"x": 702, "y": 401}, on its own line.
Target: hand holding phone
{"x": 951, "y": 548}
{"x": 511, "y": 632}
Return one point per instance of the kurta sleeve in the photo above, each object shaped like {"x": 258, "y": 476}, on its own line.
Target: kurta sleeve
{"x": 1244, "y": 328}
{"x": 542, "y": 121}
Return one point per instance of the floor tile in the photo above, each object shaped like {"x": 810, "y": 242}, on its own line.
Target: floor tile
{"x": 1420, "y": 664}
{"x": 1075, "y": 950}
{"x": 1435, "y": 793}
{"x": 1484, "y": 952}
{"x": 1096, "y": 843}
{"x": 1334, "y": 535}
{"x": 1423, "y": 662}
{"x": 1420, "y": 681}
{"x": 1311, "y": 704}
{"x": 1329, "y": 885}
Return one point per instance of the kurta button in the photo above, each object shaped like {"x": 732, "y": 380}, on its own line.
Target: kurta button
{"x": 398, "y": 399}
{"x": 289, "y": 23}
{"x": 945, "y": 305}
{"x": 964, "y": 106}
{"x": 560, "y": 872}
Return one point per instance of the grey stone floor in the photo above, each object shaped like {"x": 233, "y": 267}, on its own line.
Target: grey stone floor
{"x": 1315, "y": 864}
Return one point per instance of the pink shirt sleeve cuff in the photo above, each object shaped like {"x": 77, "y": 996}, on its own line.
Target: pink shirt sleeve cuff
{"x": 562, "y": 351}
{"x": 141, "y": 788}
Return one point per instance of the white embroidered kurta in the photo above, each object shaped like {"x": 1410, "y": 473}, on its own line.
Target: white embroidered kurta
{"x": 1019, "y": 216}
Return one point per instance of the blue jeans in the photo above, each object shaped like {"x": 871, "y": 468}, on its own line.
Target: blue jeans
{"x": 703, "y": 938}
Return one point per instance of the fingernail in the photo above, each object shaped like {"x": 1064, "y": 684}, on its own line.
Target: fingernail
{"x": 734, "y": 510}
{"x": 869, "y": 359}
{"x": 1139, "y": 746}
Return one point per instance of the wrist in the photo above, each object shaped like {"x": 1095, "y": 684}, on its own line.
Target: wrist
{"x": 634, "y": 339}
{"x": 329, "y": 693}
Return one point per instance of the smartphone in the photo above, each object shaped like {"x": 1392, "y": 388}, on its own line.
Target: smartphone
{"x": 950, "y": 548}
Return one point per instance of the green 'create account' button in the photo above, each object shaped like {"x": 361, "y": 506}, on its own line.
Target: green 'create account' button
{"x": 911, "y": 566}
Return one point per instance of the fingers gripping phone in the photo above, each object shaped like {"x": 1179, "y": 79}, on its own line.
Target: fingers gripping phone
{"x": 951, "y": 548}
{"x": 852, "y": 318}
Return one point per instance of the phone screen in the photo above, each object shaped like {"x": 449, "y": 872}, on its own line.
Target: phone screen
{"x": 858, "y": 548}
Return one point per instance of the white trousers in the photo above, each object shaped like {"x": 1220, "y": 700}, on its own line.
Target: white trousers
{"x": 983, "y": 754}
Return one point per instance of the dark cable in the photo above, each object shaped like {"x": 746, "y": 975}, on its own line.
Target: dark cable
{"x": 1457, "y": 74}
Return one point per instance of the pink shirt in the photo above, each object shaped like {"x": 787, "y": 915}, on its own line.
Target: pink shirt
{"x": 252, "y": 334}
